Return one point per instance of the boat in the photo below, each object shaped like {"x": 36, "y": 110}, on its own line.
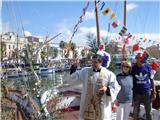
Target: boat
{"x": 15, "y": 73}
{"x": 69, "y": 101}
{"x": 44, "y": 70}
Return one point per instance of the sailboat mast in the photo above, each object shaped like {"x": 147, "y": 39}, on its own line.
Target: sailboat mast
{"x": 124, "y": 19}
{"x": 97, "y": 23}
{"x": 124, "y": 23}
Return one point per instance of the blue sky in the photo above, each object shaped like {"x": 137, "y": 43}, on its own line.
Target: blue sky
{"x": 51, "y": 17}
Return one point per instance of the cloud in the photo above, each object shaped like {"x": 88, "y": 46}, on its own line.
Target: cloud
{"x": 150, "y": 36}
{"x": 27, "y": 33}
{"x": 89, "y": 15}
{"x": 103, "y": 33}
{"x": 131, "y": 6}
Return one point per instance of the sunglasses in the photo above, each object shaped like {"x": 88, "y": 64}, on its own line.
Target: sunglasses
{"x": 125, "y": 66}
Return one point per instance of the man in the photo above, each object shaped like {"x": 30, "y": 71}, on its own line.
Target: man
{"x": 100, "y": 88}
{"x": 141, "y": 72}
{"x": 106, "y": 56}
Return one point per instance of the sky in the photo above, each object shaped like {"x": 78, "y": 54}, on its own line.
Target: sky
{"x": 41, "y": 18}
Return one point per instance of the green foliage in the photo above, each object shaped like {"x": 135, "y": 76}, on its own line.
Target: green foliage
{"x": 2, "y": 50}
{"x": 112, "y": 66}
{"x": 91, "y": 41}
{"x": 83, "y": 53}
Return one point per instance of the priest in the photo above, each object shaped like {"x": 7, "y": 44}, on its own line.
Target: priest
{"x": 99, "y": 90}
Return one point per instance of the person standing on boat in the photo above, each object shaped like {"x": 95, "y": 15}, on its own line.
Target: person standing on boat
{"x": 106, "y": 56}
{"x": 125, "y": 96}
{"x": 143, "y": 86}
{"x": 100, "y": 88}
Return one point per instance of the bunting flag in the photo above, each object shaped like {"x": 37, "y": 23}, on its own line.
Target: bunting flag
{"x": 123, "y": 31}
{"x": 80, "y": 20}
{"x": 103, "y": 4}
{"x": 129, "y": 35}
{"x": 126, "y": 41}
{"x": 135, "y": 47}
{"x": 105, "y": 12}
{"x": 115, "y": 24}
{"x": 112, "y": 16}
{"x": 154, "y": 67}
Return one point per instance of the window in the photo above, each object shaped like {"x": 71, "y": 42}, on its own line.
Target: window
{"x": 9, "y": 46}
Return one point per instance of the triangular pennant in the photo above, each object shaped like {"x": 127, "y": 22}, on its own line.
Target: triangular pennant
{"x": 112, "y": 16}
{"x": 105, "y": 12}
{"x": 103, "y": 4}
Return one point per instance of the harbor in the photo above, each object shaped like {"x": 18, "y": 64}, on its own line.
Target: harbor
{"x": 48, "y": 61}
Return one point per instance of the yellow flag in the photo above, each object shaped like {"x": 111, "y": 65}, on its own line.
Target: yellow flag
{"x": 105, "y": 12}
{"x": 112, "y": 16}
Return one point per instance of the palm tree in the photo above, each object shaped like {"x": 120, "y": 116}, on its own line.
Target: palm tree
{"x": 62, "y": 45}
{"x": 73, "y": 47}
{"x": 43, "y": 55}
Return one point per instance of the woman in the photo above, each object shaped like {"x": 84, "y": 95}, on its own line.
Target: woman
{"x": 124, "y": 98}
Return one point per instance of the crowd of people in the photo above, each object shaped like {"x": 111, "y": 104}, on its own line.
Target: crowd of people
{"x": 133, "y": 86}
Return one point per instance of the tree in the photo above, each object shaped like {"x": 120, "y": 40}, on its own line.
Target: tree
{"x": 83, "y": 53}
{"x": 62, "y": 45}
{"x": 15, "y": 55}
{"x": 27, "y": 54}
{"x": 73, "y": 47}
{"x": 43, "y": 55}
{"x": 91, "y": 41}
{"x": 55, "y": 52}
{"x": 3, "y": 49}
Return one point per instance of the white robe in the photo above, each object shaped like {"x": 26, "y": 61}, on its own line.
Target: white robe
{"x": 108, "y": 79}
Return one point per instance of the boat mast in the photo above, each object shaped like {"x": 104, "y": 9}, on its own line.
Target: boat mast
{"x": 124, "y": 23}
{"x": 97, "y": 23}
{"x": 124, "y": 17}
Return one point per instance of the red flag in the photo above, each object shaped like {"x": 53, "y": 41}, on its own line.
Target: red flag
{"x": 126, "y": 41}
{"x": 135, "y": 47}
{"x": 154, "y": 65}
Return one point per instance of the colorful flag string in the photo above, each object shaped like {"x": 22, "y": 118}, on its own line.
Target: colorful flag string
{"x": 79, "y": 20}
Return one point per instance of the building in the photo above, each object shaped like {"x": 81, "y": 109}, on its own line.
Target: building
{"x": 154, "y": 51}
{"x": 10, "y": 43}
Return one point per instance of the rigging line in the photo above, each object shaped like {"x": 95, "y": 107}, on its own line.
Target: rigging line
{"x": 115, "y": 11}
{"x": 30, "y": 59}
{"x": 14, "y": 15}
{"x": 147, "y": 17}
{"x": 142, "y": 20}
{"x": 20, "y": 17}
{"x": 10, "y": 15}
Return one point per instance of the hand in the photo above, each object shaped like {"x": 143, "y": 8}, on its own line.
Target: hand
{"x": 116, "y": 102}
{"x": 153, "y": 95}
{"x": 103, "y": 88}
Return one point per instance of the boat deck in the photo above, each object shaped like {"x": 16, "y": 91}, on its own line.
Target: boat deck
{"x": 74, "y": 116}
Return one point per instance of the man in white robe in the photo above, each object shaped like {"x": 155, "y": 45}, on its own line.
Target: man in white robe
{"x": 100, "y": 89}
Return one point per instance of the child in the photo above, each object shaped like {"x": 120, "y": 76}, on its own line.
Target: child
{"x": 124, "y": 98}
